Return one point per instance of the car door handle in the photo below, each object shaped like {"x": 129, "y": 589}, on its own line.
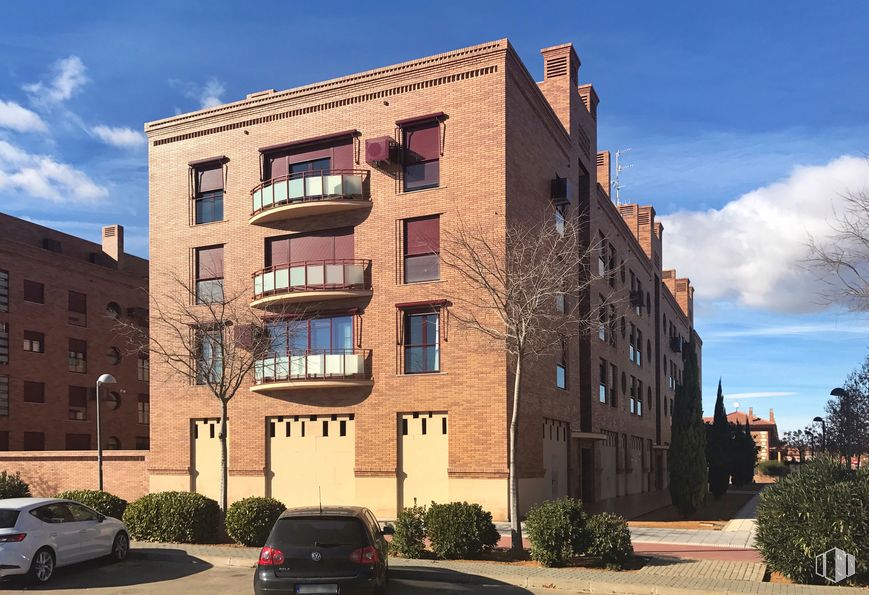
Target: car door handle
{"x": 53, "y": 535}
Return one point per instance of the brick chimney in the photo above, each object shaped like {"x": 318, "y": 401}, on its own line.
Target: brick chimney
{"x": 771, "y": 415}
{"x": 750, "y": 413}
{"x": 604, "y": 171}
{"x": 559, "y": 86}
{"x": 113, "y": 243}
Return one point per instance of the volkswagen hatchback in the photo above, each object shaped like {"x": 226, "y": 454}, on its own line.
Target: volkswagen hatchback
{"x": 324, "y": 550}
{"x": 38, "y": 535}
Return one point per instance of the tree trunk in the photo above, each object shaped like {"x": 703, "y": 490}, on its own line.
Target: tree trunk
{"x": 515, "y": 525}
{"x": 223, "y": 457}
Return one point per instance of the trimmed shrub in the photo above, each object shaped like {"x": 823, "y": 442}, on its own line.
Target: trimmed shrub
{"x": 610, "y": 540}
{"x": 807, "y": 513}
{"x": 460, "y": 530}
{"x": 12, "y": 486}
{"x": 103, "y": 502}
{"x": 557, "y": 530}
{"x": 249, "y": 521}
{"x": 177, "y": 517}
{"x": 772, "y": 468}
{"x": 409, "y": 538}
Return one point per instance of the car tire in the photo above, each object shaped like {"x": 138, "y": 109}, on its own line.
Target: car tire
{"x": 120, "y": 547}
{"x": 41, "y": 566}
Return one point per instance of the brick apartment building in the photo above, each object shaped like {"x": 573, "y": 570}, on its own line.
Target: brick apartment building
{"x": 58, "y": 297}
{"x": 331, "y": 198}
{"x": 764, "y": 432}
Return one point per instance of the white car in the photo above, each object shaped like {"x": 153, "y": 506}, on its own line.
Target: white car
{"x": 38, "y": 535}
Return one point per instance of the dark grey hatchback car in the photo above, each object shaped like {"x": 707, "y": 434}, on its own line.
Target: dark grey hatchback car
{"x": 336, "y": 549}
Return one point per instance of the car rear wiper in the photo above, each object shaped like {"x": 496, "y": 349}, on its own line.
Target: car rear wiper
{"x": 318, "y": 544}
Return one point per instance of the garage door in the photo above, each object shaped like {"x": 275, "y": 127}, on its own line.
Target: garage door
{"x": 206, "y": 457}
{"x": 423, "y": 456}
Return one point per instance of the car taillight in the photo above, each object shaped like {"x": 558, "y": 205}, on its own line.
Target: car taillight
{"x": 270, "y": 556}
{"x": 365, "y": 555}
{"x": 13, "y": 538}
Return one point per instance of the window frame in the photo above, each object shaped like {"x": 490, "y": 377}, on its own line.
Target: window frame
{"x": 217, "y": 281}
{"x": 212, "y": 196}
{"x": 433, "y": 253}
{"x": 410, "y": 128}
{"x": 77, "y": 360}
{"x": 26, "y": 394}
{"x": 34, "y": 338}
{"x": 407, "y": 315}
{"x": 33, "y": 285}
{"x": 77, "y": 317}
{"x": 143, "y": 409}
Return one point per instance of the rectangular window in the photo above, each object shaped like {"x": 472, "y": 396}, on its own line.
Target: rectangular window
{"x": 4, "y": 396}
{"x": 559, "y": 303}
{"x": 209, "y": 357}
{"x": 78, "y": 355}
{"x": 143, "y": 368}
{"x": 34, "y": 292}
{"x": 638, "y": 354}
{"x": 422, "y": 249}
{"x": 602, "y": 321}
{"x": 78, "y": 403}
{"x": 602, "y": 389}
{"x": 4, "y": 291}
{"x": 421, "y": 342}
{"x": 601, "y": 256}
{"x": 34, "y": 392}
{"x": 78, "y": 308}
{"x": 639, "y": 397}
{"x": 34, "y": 342}
{"x": 318, "y": 336}
{"x": 4, "y": 440}
{"x": 34, "y": 441}
{"x": 209, "y": 275}
{"x": 4, "y": 342}
{"x": 632, "y": 339}
{"x": 560, "y": 376}
{"x": 633, "y": 395}
{"x": 421, "y": 155}
{"x": 78, "y": 442}
{"x": 559, "y": 220}
{"x": 614, "y": 385}
{"x": 208, "y": 199}
{"x": 144, "y": 409}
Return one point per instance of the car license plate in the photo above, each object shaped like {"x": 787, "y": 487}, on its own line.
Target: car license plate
{"x": 316, "y": 588}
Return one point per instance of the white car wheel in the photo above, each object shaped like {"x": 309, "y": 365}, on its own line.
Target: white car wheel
{"x": 42, "y": 566}
{"x": 120, "y": 547}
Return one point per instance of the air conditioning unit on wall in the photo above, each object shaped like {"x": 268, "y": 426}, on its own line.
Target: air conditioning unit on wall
{"x": 381, "y": 151}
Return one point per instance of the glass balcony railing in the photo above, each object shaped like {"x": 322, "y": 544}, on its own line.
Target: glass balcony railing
{"x": 314, "y": 365}
{"x": 312, "y": 276}
{"x": 306, "y": 187}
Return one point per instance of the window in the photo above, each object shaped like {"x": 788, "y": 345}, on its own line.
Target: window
{"x": 208, "y": 199}
{"x": 78, "y": 403}
{"x": 422, "y": 149}
{"x": 209, "y": 275}
{"x": 113, "y": 443}
{"x": 421, "y": 341}
{"x": 559, "y": 220}
{"x": 144, "y": 409}
{"x": 614, "y": 380}
{"x": 34, "y": 292}
{"x": 639, "y": 397}
{"x": 560, "y": 376}
{"x": 34, "y": 441}
{"x": 143, "y": 443}
{"x": 421, "y": 249}
{"x": 631, "y": 340}
{"x": 4, "y": 342}
{"x": 4, "y": 291}
{"x": 113, "y": 354}
{"x": 113, "y": 400}
{"x": 4, "y": 396}
{"x": 602, "y": 390}
{"x": 78, "y": 353}
{"x": 113, "y": 310}
{"x": 602, "y": 321}
{"x": 34, "y": 392}
{"x": 328, "y": 335}
{"x": 78, "y": 309}
{"x": 612, "y": 265}
{"x": 612, "y": 324}
{"x": 4, "y": 440}
{"x": 209, "y": 357}
{"x": 143, "y": 367}
{"x": 601, "y": 256}
{"x": 78, "y": 442}
{"x": 637, "y": 353}
{"x": 633, "y": 395}
{"x": 34, "y": 342}
{"x": 560, "y": 303}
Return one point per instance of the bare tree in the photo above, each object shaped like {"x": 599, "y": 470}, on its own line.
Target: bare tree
{"x": 526, "y": 289}
{"x": 206, "y": 336}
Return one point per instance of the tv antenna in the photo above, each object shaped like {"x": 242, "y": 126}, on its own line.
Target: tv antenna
{"x": 617, "y": 183}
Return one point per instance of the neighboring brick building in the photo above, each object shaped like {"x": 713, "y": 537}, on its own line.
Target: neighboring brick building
{"x": 58, "y": 294}
{"x": 332, "y": 197}
{"x": 764, "y": 432}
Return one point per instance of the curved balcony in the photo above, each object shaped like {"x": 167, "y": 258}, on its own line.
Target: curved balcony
{"x": 309, "y": 193}
{"x": 311, "y": 281}
{"x": 336, "y": 368}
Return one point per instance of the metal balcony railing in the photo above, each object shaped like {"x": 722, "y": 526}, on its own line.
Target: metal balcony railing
{"x": 312, "y": 275}
{"x": 314, "y": 365}
{"x": 309, "y": 186}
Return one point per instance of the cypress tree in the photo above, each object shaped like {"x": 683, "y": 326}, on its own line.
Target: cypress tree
{"x": 687, "y": 455}
{"x": 718, "y": 448}
{"x": 744, "y": 455}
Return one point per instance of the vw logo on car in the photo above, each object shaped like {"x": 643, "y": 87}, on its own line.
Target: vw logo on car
{"x": 316, "y": 556}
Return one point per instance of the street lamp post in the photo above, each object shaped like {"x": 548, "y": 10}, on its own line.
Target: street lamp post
{"x": 823, "y": 433}
{"x": 104, "y": 379}
{"x": 845, "y": 415}
{"x": 812, "y": 438}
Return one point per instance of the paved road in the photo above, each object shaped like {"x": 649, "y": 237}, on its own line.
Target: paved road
{"x": 140, "y": 577}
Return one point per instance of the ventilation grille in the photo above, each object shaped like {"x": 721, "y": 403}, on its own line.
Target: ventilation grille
{"x": 109, "y": 232}
{"x": 645, "y": 218}
{"x": 601, "y": 160}
{"x": 556, "y": 67}
{"x": 628, "y": 210}
{"x": 51, "y": 245}
{"x": 585, "y": 99}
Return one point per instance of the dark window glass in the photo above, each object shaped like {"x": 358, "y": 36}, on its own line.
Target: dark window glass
{"x": 34, "y": 342}
{"x": 421, "y": 342}
{"x": 82, "y": 513}
{"x": 34, "y": 392}
{"x": 53, "y": 513}
{"x": 34, "y": 292}
{"x": 209, "y": 275}
{"x": 78, "y": 309}
{"x": 78, "y": 403}
{"x": 321, "y": 165}
{"x": 422, "y": 145}
{"x": 422, "y": 249}
{"x": 4, "y": 441}
{"x": 560, "y": 376}
{"x": 209, "y": 363}
{"x": 208, "y": 202}
{"x": 321, "y": 335}
{"x": 78, "y": 350}
{"x": 143, "y": 443}
{"x": 34, "y": 441}
{"x": 78, "y": 442}
{"x": 144, "y": 409}
{"x": 325, "y": 532}
{"x": 8, "y": 518}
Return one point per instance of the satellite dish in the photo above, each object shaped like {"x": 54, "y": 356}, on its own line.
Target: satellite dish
{"x": 736, "y": 405}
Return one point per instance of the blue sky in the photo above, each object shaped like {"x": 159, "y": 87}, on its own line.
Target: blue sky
{"x": 747, "y": 120}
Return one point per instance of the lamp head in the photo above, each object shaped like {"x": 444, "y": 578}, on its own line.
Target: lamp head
{"x": 107, "y": 379}
{"x": 818, "y": 418}
{"x": 838, "y": 392}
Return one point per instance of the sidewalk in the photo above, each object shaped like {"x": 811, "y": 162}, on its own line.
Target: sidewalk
{"x": 661, "y": 576}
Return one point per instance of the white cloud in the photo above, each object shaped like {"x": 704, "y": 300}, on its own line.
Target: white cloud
{"x": 753, "y": 249}
{"x": 69, "y": 77}
{"x": 21, "y": 119}
{"x": 211, "y": 93}
{"x": 759, "y": 395}
{"x": 40, "y": 176}
{"x": 791, "y": 330}
{"x": 119, "y": 136}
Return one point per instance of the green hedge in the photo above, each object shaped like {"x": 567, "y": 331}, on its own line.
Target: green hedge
{"x": 12, "y": 486}
{"x": 804, "y": 514}
{"x": 460, "y": 530}
{"x": 409, "y": 538}
{"x": 772, "y": 468}
{"x": 610, "y": 540}
{"x": 178, "y": 517}
{"x": 249, "y": 521}
{"x": 557, "y": 530}
{"x": 103, "y": 502}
